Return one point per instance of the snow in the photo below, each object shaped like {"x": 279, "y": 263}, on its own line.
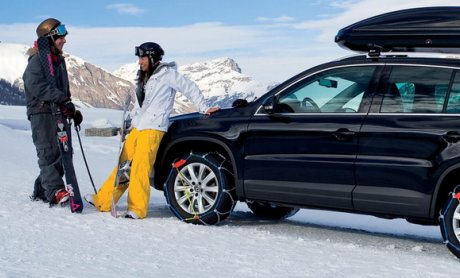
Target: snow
{"x": 102, "y": 123}
{"x": 38, "y": 241}
{"x": 13, "y": 61}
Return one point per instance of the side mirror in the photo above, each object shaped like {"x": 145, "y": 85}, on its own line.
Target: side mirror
{"x": 239, "y": 103}
{"x": 269, "y": 105}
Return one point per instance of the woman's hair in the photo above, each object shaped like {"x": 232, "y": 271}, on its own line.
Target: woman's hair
{"x": 143, "y": 76}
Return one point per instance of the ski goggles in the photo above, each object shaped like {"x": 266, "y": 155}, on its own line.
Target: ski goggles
{"x": 60, "y": 30}
{"x": 142, "y": 52}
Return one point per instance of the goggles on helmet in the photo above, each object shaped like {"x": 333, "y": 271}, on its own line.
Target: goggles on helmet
{"x": 60, "y": 30}
{"x": 142, "y": 52}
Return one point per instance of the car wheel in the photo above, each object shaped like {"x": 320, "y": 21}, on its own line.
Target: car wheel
{"x": 271, "y": 211}
{"x": 449, "y": 220}
{"x": 200, "y": 190}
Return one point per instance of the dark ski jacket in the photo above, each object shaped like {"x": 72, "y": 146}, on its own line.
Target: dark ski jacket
{"x": 39, "y": 93}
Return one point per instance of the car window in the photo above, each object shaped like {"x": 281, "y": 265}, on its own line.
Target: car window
{"x": 334, "y": 91}
{"x": 414, "y": 89}
{"x": 453, "y": 105}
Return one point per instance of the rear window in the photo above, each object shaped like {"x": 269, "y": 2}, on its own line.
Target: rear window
{"x": 453, "y": 105}
{"x": 416, "y": 90}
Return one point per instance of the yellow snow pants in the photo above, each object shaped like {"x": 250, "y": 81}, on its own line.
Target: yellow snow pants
{"x": 141, "y": 149}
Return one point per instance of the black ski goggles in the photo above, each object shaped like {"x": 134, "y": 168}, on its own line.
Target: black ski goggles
{"x": 142, "y": 52}
{"x": 60, "y": 30}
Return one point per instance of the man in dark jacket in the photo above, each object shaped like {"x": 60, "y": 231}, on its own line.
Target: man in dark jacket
{"x": 41, "y": 98}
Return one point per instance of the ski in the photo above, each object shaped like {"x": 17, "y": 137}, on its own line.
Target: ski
{"x": 65, "y": 146}
{"x": 63, "y": 135}
{"x": 123, "y": 167}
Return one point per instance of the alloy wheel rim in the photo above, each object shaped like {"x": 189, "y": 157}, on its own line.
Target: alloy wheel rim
{"x": 196, "y": 188}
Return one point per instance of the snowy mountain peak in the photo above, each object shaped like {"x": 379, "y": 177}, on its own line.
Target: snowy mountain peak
{"x": 73, "y": 61}
{"x": 13, "y": 61}
{"x": 222, "y": 65}
{"x": 221, "y": 81}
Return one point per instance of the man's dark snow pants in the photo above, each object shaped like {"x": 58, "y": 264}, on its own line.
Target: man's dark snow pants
{"x": 49, "y": 158}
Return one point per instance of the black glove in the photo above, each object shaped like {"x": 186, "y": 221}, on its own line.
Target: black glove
{"x": 68, "y": 109}
{"x": 77, "y": 118}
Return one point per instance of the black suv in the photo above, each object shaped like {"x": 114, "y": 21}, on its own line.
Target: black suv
{"x": 376, "y": 133}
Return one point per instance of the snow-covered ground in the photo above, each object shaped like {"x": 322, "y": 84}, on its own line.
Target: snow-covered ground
{"x": 38, "y": 241}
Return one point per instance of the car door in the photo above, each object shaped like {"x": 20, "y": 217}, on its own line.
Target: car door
{"x": 403, "y": 140}
{"x": 304, "y": 152}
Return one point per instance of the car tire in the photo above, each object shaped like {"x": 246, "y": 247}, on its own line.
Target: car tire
{"x": 200, "y": 189}
{"x": 271, "y": 211}
{"x": 449, "y": 220}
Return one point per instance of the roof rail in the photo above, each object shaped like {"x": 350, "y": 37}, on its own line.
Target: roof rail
{"x": 377, "y": 54}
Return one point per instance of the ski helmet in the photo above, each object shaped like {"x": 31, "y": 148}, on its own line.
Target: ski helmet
{"x": 51, "y": 27}
{"x": 151, "y": 49}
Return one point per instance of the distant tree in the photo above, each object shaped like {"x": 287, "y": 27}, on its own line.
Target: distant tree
{"x": 11, "y": 95}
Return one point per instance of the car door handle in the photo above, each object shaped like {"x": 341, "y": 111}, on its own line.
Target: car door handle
{"x": 452, "y": 136}
{"x": 344, "y": 134}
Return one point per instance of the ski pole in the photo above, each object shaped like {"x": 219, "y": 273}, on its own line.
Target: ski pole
{"x": 77, "y": 128}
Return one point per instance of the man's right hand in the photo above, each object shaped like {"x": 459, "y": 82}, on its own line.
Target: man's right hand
{"x": 77, "y": 118}
{"x": 68, "y": 109}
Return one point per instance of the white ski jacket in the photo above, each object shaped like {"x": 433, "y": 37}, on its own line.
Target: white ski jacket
{"x": 160, "y": 91}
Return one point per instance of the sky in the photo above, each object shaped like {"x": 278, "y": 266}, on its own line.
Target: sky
{"x": 271, "y": 40}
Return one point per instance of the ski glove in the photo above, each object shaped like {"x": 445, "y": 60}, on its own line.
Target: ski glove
{"x": 68, "y": 109}
{"x": 77, "y": 118}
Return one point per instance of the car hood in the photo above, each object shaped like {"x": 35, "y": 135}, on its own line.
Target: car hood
{"x": 222, "y": 113}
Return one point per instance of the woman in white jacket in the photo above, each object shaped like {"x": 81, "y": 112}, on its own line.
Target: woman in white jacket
{"x": 157, "y": 84}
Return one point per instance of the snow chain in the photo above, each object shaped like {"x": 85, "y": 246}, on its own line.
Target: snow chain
{"x": 176, "y": 165}
{"x": 455, "y": 200}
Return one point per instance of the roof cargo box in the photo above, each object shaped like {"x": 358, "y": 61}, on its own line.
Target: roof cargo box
{"x": 433, "y": 29}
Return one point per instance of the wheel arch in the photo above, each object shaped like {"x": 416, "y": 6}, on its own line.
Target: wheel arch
{"x": 447, "y": 181}
{"x": 179, "y": 147}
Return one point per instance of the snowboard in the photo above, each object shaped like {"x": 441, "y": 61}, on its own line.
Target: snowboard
{"x": 123, "y": 167}
{"x": 63, "y": 135}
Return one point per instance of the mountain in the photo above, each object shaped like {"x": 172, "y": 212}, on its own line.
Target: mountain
{"x": 94, "y": 86}
{"x": 10, "y": 94}
{"x": 221, "y": 80}
{"x": 13, "y": 61}
{"x": 90, "y": 85}
{"x": 12, "y": 64}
